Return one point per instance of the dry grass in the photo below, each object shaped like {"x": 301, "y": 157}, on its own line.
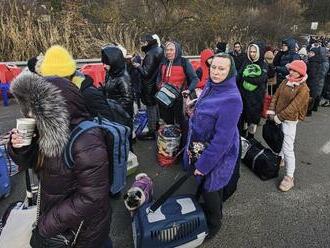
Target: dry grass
{"x": 24, "y": 34}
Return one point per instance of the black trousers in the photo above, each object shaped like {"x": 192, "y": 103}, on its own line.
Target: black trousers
{"x": 212, "y": 207}
{"x": 175, "y": 115}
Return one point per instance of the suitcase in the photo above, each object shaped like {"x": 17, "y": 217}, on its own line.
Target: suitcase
{"x": 4, "y": 176}
{"x": 262, "y": 161}
{"x": 177, "y": 221}
{"x": 117, "y": 137}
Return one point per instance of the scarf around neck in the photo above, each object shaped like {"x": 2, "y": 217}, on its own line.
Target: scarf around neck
{"x": 295, "y": 81}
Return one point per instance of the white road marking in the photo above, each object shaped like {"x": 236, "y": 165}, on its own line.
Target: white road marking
{"x": 326, "y": 148}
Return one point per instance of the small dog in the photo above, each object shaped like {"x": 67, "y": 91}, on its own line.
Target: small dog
{"x": 141, "y": 192}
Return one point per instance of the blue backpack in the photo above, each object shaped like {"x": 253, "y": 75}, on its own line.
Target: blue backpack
{"x": 4, "y": 176}
{"x": 117, "y": 145}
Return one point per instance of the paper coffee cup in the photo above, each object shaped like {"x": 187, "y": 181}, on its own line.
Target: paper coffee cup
{"x": 26, "y": 127}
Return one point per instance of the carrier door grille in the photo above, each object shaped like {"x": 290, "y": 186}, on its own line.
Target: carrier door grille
{"x": 176, "y": 232}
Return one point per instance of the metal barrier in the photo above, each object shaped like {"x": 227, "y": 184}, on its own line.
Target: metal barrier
{"x": 81, "y": 62}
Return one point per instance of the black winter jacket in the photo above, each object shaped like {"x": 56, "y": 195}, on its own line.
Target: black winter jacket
{"x": 314, "y": 72}
{"x": 98, "y": 104}
{"x": 239, "y": 59}
{"x": 149, "y": 71}
{"x": 118, "y": 83}
{"x": 283, "y": 58}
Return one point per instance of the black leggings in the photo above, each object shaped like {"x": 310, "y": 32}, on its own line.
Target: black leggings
{"x": 212, "y": 207}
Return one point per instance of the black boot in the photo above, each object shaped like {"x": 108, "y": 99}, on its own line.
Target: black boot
{"x": 244, "y": 133}
{"x": 316, "y": 104}
{"x": 250, "y": 136}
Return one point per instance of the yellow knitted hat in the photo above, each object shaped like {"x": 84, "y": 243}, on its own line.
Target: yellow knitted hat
{"x": 57, "y": 62}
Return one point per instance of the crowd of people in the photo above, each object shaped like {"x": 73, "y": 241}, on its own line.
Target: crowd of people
{"x": 229, "y": 85}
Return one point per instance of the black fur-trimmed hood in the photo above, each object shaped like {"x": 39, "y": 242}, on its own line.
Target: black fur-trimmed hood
{"x": 56, "y": 105}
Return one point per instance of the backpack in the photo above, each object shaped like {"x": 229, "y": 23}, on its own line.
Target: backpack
{"x": 117, "y": 146}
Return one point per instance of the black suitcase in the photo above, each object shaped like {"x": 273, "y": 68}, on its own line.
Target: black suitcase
{"x": 262, "y": 161}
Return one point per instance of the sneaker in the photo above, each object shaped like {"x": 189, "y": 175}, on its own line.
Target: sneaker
{"x": 286, "y": 184}
{"x": 326, "y": 104}
{"x": 323, "y": 101}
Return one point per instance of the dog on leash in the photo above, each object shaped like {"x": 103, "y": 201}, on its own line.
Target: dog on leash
{"x": 141, "y": 192}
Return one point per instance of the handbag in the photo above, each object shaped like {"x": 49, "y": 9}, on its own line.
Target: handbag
{"x": 22, "y": 222}
{"x": 167, "y": 95}
{"x": 273, "y": 135}
{"x": 19, "y": 223}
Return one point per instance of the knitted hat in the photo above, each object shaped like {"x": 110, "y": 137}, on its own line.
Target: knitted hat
{"x": 57, "y": 62}
{"x": 298, "y": 66}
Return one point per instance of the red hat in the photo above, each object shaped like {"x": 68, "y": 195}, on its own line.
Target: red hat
{"x": 298, "y": 66}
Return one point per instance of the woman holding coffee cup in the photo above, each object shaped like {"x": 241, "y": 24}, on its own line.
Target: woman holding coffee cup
{"x": 52, "y": 107}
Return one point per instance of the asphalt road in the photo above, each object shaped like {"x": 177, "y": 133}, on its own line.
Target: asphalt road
{"x": 258, "y": 215}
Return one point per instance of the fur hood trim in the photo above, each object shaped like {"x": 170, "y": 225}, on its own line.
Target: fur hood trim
{"x": 43, "y": 101}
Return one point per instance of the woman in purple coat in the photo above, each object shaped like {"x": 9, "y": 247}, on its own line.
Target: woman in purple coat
{"x": 213, "y": 140}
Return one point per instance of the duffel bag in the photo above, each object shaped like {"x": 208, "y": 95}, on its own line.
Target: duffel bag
{"x": 262, "y": 161}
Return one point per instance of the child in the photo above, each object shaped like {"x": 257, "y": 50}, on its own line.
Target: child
{"x": 289, "y": 105}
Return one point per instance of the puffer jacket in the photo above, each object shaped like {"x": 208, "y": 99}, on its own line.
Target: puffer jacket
{"x": 149, "y": 71}
{"x": 118, "y": 83}
{"x": 68, "y": 196}
{"x": 283, "y": 58}
{"x": 253, "y": 100}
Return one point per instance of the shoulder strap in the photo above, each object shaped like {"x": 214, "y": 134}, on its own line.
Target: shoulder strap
{"x": 256, "y": 157}
{"x": 84, "y": 126}
{"x": 77, "y": 131}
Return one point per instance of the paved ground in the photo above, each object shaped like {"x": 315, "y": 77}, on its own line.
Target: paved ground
{"x": 258, "y": 215}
